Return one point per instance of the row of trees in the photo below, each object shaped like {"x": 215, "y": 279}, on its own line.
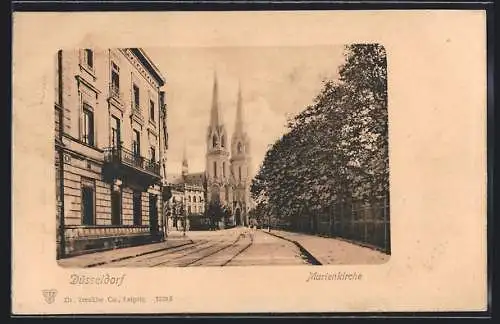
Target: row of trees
{"x": 336, "y": 149}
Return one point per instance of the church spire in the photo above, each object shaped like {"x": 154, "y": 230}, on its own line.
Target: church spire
{"x": 215, "y": 119}
{"x": 239, "y": 114}
{"x": 184, "y": 161}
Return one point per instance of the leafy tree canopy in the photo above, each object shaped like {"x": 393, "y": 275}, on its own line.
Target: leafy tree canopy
{"x": 337, "y": 147}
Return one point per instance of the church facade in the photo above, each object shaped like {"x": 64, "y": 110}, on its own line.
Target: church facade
{"x": 227, "y": 175}
{"x": 228, "y": 162}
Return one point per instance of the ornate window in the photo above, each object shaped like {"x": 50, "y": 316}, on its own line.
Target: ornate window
{"x": 116, "y": 207}
{"x": 88, "y": 125}
{"x": 89, "y": 58}
{"x": 115, "y": 79}
{"x": 88, "y": 201}
{"x": 136, "y": 97}
{"x": 115, "y": 131}
{"x": 215, "y": 194}
{"x": 240, "y": 147}
{"x": 151, "y": 110}
{"x": 223, "y": 141}
{"x": 136, "y": 143}
{"x": 137, "y": 207}
{"x": 152, "y": 153}
{"x": 214, "y": 141}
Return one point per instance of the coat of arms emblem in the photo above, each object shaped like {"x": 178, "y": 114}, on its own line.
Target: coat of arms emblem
{"x": 49, "y": 295}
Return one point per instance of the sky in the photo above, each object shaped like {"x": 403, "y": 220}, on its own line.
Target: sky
{"x": 276, "y": 82}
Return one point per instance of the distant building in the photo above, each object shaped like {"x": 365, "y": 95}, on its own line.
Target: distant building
{"x": 110, "y": 140}
{"x": 188, "y": 197}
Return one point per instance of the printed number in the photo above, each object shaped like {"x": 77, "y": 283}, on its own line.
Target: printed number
{"x": 163, "y": 299}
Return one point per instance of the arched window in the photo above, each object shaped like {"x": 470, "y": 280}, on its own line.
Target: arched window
{"x": 239, "y": 172}
{"x": 189, "y": 198}
{"x": 215, "y": 169}
{"x": 223, "y": 141}
{"x": 240, "y": 147}
{"x": 215, "y": 194}
{"x": 214, "y": 141}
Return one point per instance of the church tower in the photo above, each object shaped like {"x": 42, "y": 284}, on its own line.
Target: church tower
{"x": 240, "y": 166}
{"x": 217, "y": 155}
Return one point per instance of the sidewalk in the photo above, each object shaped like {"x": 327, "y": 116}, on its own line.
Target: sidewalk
{"x": 175, "y": 239}
{"x": 333, "y": 251}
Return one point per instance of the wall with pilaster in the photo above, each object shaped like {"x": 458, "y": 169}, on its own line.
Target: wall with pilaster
{"x": 127, "y": 206}
{"x": 145, "y": 208}
{"x": 103, "y": 203}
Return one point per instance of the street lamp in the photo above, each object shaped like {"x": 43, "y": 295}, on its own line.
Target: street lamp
{"x": 185, "y": 221}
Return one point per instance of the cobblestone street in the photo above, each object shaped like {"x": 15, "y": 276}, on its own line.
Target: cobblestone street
{"x": 232, "y": 247}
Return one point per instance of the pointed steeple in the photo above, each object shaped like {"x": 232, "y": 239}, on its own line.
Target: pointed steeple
{"x": 238, "y": 129}
{"x": 184, "y": 155}
{"x": 184, "y": 161}
{"x": 215, "y": 119}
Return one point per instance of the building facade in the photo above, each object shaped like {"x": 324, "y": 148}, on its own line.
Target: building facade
{"x": 187, "y": 204}
{"x": 110, "y": 143}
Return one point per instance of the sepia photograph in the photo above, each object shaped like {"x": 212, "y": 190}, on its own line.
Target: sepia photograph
{"x": 176, "y": 157}
{"x": 295, "y": 162}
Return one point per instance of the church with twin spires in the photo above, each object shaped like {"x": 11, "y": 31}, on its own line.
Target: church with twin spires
{"x": 227, "y": 175}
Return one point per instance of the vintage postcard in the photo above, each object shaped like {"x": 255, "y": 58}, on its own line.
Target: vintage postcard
{"x": 249, "y": 162}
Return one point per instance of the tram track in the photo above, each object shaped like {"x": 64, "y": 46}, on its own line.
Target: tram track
{"x": 156, "y": 254}
{"x": 240, "y": 252}
{"x": 180, "y": 257}
{"x": 204, "y": 257}
{"x": 213, "y": 257}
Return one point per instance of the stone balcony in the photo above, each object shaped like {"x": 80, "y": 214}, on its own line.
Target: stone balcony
{"x": 121, "y": 163}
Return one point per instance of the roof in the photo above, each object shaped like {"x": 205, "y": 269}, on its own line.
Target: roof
{"x": 174, "y": 179}
{"x": 148, "y": 63}
{"x": 196, "y": 178}
{"x": 193, "y": 179}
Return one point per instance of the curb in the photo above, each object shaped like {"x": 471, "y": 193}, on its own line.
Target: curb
{"x": 137, "y": 255}
{"x": 308, "y": 254}
{"x": 361, "y": 244}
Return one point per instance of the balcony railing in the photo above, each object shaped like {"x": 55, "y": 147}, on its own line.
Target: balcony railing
{"x": 137, "y": 108}
{"x": 124, "y": 156}
{"x": 114, "y": 91}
